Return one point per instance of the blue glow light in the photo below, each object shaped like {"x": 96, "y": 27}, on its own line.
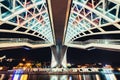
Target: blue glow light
{"x": 26, "y": 48}
{"x": 17, "y": 74}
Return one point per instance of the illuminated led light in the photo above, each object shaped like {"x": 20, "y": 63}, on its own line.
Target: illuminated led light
{"x": 26, "y": 48}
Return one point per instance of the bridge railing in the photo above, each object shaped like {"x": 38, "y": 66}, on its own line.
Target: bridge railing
{"x": 18, "y": 40}
{"x": 98, "y": 41}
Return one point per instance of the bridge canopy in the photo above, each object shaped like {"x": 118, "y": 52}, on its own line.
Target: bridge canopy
{"x": 30, "y": 17}
{"x": 89, "y": 18}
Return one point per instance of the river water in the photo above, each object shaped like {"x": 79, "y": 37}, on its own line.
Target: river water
{"x": 60, "y": 77}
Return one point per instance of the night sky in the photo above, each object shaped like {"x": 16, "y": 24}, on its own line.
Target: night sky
{"x": 40, "y": 54}
{"x": 80, "y": 56}
{"x": 74, "y": 55}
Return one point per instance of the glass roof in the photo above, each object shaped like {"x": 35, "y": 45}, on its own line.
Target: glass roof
{"x": 28, "y": 14}
{"x": 92, "y": 17}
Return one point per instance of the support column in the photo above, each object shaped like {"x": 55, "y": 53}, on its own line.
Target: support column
{"x": 54, "y": 59}
{"x": 64, "y": 57}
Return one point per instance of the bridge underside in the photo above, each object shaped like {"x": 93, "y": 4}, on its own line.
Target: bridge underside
{"x": 90, "y": 25}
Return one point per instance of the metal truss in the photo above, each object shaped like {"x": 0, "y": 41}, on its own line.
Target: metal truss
{"x": 33, "y": 16}
{"x": 92, "y": 17}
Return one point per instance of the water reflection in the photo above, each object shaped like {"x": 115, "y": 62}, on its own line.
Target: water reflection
{"x": 24, "y": 77}
{"x": 19, "y": 76}
{"x": 64, "y": 77}
{"x": 2, "y": 76}
{"x": 109, "y": 76}
{"x": 53, "y": 77}
{"x": 59, "y": 77}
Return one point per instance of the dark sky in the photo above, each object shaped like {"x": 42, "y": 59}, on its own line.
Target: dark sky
{"x": 94, "y": 56}
{"x": 40, "y": 54}
{"x": 74, "y": 55}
